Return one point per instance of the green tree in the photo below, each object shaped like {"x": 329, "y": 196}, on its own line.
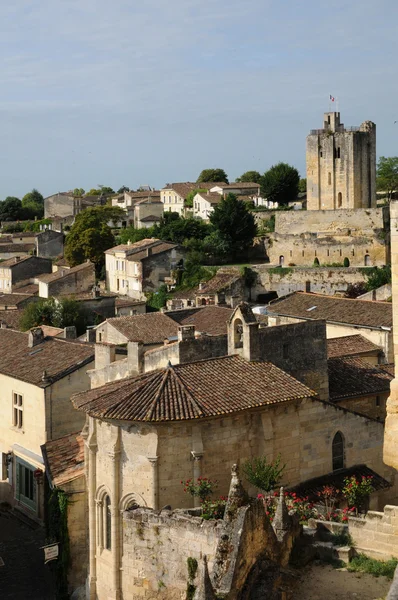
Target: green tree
{"x": 235, "y": 224}
{"x": 189, "y": 199}
{"x": 387, "y": 175}
{"x": 262, "y": 474}
{"x": 57, "y": 313}
{"x": 173, "y": 228}
{"x": 11, "y": 209}
{"x": 212, "y": 175}
{"x": 90, "y": 236}
{"x": 303, "y": 185}
{"x": 105, "y": 189}
{"x": 280, "y": 183}
{"x": 94, "y": 192}
{"x": 157, "y": 300}
{"x": 123, "y": 189}
{"x": 33, "y": 197}
{"x": 78, "y": 192}
{"x": 250, "y": 177}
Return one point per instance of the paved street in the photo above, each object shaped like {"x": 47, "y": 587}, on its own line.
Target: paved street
{"x": 24, "y": 575}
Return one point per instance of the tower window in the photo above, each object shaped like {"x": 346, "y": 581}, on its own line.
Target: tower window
{"x": 329, "y": 179}
{"x": 328, "y": 119}
{"x": 338, "y": 152}
{"x": 320, "y": 154}
{"x": 339, "y": 200}
{"x": 338, "y": 458}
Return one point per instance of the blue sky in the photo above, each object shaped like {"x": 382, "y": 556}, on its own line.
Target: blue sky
{"x": 130, "y": 93}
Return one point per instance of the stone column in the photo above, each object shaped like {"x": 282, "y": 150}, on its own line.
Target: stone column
{"x": 91, "y": 446}
{"x": 155, "y": 481}
{"x": 197, "y": 472}
{"x": 115, "y": 512}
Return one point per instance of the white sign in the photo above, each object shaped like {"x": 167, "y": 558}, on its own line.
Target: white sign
{"x": 50, "y": 552}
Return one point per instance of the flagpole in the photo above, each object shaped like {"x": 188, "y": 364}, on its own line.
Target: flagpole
{"x": 337, "y": 104}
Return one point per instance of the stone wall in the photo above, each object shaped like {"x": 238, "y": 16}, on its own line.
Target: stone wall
{"x": 78, "y": 531}
{"x": 326, "y": 223}
{"x": 373, "y": 406}
{"x": 74, "y": 281}
{"x": 26, "y": 269}
{"x": 155, "y": 268}
{"x": 59, "y": 205}
{"x": 49, "y": 244}
{"x": 319, "y": 280}
{"x": 377, "y": 534}
{"x": 380, "y": 294}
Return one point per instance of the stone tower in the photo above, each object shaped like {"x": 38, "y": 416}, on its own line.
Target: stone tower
{"x": 341, "y": 165}
{"x": 390, "y": 452}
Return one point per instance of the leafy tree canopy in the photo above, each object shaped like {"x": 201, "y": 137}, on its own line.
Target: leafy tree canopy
{"x": 90, "y": 235}
{"x": 123, "y": 189}
{"x": 235, "y": 225}
{"x": 11, "y": 209}
{"x": 212, "y": 175}
{"x": 387, "y": 175}
{"x": 280, "y": 183}
{"x": 79, "y": 192}
{"x": 57, "y": 313}
{"x": 105, "y": 189}
{"x": 303, "y": 185}
{"x": 94, "y": 192}
{"x": 33, "y": 197}
{"x": 249, "y": 177}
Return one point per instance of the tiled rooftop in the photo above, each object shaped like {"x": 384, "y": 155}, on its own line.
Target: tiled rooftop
{"x": 206, "y": 388}
{"x": 219, "y": 282}
{"x": 350, "y": 345}
{"x": 335, "y": 310}
{"x": 151, "y": 328}
{"x": 13, "y": 299}
{"x": 350, "y": 377}
{"x": 211, "y": 320}
{"x": 64, "y": 272}
{"x": 64, "y": 458}
{"x": 138, "y": 250}
{"x": 56, "y": 357}
{"x": 12, "y": 318}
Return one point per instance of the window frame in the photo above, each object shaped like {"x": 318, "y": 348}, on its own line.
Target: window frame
{"x": 17, "y": 411}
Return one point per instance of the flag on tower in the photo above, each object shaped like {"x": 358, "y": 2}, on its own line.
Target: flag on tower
{"x": 331, "y": 98}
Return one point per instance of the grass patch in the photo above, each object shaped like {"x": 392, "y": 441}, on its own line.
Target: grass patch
{"x": 364, "y": 564}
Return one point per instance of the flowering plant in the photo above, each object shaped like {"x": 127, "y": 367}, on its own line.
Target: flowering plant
{"x": 357, "y": 490}
{"x": 214, "y": 509}
{"x": 202, "y": 487}
{"x": 328, "y": 496}
{"x": 296, "y": 504}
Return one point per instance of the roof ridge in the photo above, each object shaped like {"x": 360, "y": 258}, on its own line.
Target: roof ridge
{"x": 317, "y": 295}
{"x": 194, "y": 402}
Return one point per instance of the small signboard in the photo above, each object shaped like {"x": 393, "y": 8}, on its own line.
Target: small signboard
{"x": 51, "y": 552}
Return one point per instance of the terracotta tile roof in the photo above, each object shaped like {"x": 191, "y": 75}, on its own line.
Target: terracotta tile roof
{"x": 212, "y": 197}
{"x": 132, "y": 247}
{"x": 64, "y": 459}
{"x": 48, "y": 277}
{"x": 11, "y": 262}
{"x": 12, "y": 318}
{"x": 184, "y": 188}
{"x": 388, "y": 368}
{"x": 236, "y": 184}
{"x": 202, "y": 389}
{"x": 124, "y": 302}
{"x": 151, "y": 328}
{"x": 24, "y": 287}
{"x": 150, "y": 219}
{"x": 335, "y": 310}
{"x": 5, "y": 248}
{"x": 311, "y": 487}
{"x": 158, "y": 249}
{"x": 350, "y": 345}
{"x": 350, "y": 377}
{"x": 219, "y": 282}
{"x": 211, "y": 320}
{"x": 138, "y": 250}
{"x": 144, "y": 195}
{"x": 13, "y": 299}
{"x": 56, "y": 357}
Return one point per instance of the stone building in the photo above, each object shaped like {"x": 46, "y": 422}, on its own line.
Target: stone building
{"x": 133, "y": 269}
{"x": 37, "y": 376}
{"x": 341, "y": 165}
{"x": 66, "y": 281}
{"x": 65, "y": 204}
{"x": 148, "y": 428}
{"x": 343, "y": 316}
{"x": 17, "y": 270}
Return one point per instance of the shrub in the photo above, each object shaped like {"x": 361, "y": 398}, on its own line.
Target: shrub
{"x": 214, "y": 509}
{"x": 364, "y": 564}
{"x": 357, "y": 490}
{"x": 201, "y": 488}
{"x": 262, "y": 474}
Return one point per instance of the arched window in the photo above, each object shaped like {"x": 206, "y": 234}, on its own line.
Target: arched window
{"x": 281, "y": 260}
{"x": 368, "y": 262}
{"x": 338, "y": 458}
{"x": 238, "y": 334}
{"x": 107, "y": 523}
{"x": 104, "y": 519}
{"x": 339, "y": 200}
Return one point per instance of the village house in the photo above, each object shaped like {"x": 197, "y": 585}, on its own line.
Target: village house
{"x": 226, "y": 288}
{"x": 128, "y": 201}
{"x": 204, "y": 204}
{"x": 65, "y": 204}
{"x": 37, "y": 376}
{"x": 343, "y": 316}
{"x": 67, "y": 281}
{"x": 190, "y": 419}
{"x": 20, "y": 269}
{"x": 148, "y": 212}
{"x": 128, "y": 307}
{"x": 160, "y": 328}
{"x": 135, "y": 269}
{"x": 174, "y": 195}
{"x": 243, "y": 188}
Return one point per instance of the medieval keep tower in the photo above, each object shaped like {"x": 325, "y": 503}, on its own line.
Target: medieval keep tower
{"x": 341, "y": 165}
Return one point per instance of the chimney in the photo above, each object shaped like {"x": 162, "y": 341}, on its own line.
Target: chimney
{"x": 70, "y": 333}
{"x": 135, "y": 357}
{"x": 186, "y": 333}
{"x": 35, "y": 337}
{"x": 104, "y": 355}
{"x": 91, "y": 335}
